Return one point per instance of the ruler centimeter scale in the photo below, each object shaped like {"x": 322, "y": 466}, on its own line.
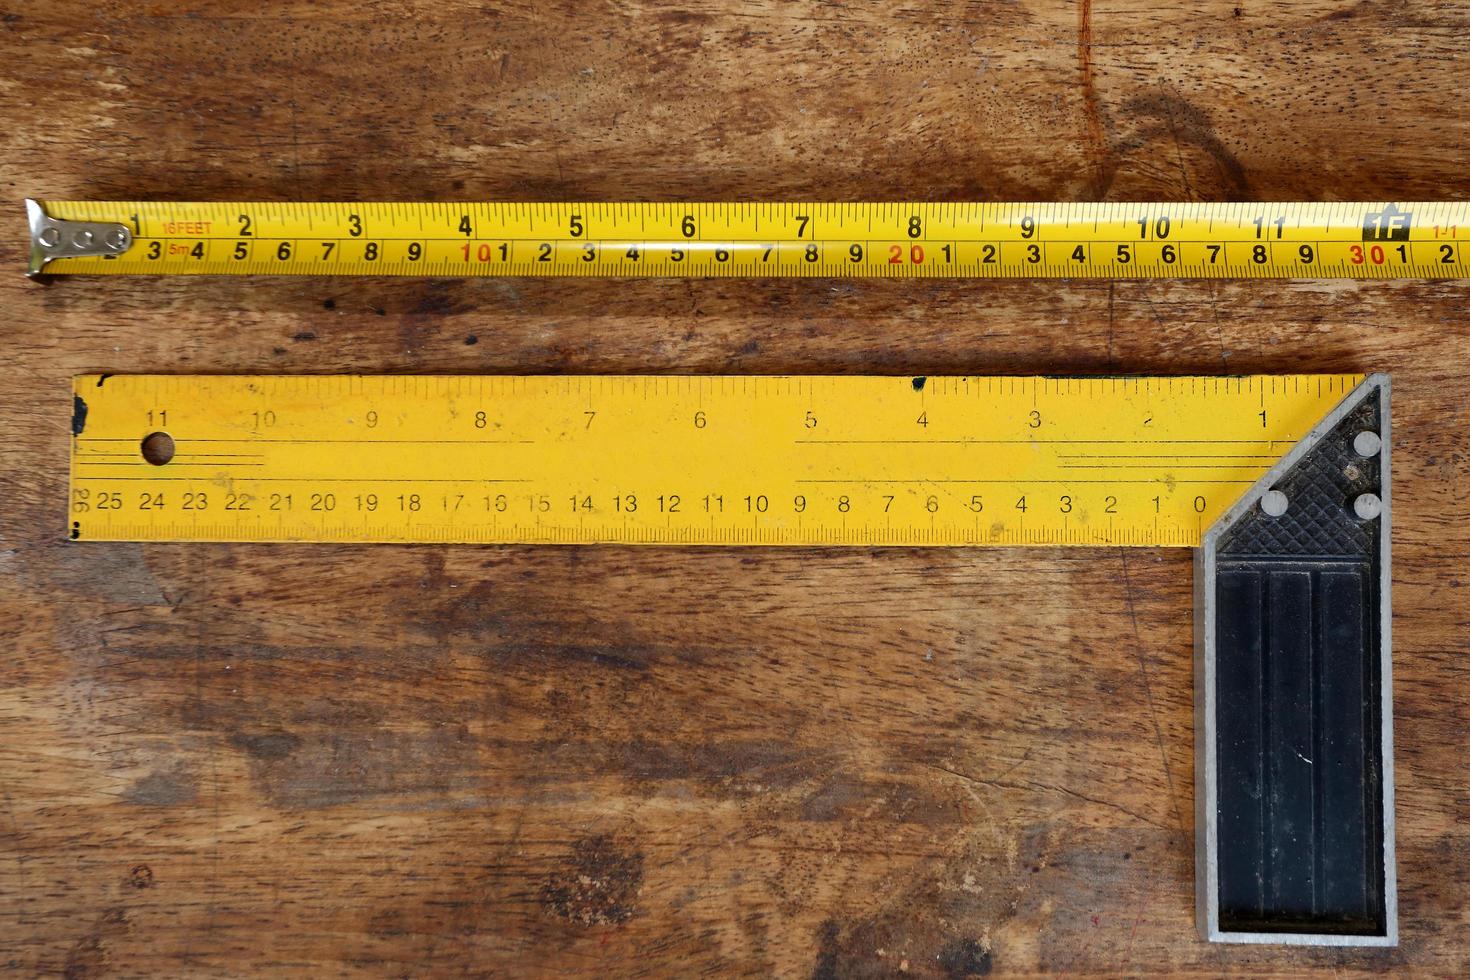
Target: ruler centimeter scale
{"x": 680, "y": 460}
{"x": 1360, "y": 240}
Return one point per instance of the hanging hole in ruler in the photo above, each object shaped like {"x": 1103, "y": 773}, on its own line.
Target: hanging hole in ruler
{"x": 158, "y": 448}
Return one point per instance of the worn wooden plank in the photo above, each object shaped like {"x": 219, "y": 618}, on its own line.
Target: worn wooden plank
{"x": 835, "y": 763}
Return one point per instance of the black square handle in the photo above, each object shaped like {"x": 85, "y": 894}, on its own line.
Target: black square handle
{"x": 1293, "y": 693}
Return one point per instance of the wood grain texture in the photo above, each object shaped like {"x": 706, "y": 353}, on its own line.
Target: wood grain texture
{"x": 414, "y": 760}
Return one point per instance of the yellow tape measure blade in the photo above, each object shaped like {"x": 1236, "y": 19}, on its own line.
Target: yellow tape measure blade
{"x": 1159, "y": 240}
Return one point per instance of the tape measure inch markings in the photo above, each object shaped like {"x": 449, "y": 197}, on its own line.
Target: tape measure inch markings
{"x": 679, "y": 460}
{"x": 1160, "y": 240}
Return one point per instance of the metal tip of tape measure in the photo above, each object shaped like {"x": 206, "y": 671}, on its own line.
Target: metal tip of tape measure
{"x": 54, "y": 238}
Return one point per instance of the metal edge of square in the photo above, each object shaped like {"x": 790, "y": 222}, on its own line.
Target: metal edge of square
{"x": 1206, "y": 875}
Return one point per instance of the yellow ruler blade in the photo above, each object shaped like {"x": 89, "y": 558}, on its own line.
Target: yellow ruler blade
{"x": 1354, "y": 240}
{"x": 678, "y": 460}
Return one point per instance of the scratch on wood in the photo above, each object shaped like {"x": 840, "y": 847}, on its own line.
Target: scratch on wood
{"x": 1097, "y": 145}
{"x": 1148, "y": 692}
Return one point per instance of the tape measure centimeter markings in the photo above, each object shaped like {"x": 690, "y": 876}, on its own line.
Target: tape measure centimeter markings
{"x": 679, "y": 460}
{"x": 1336, "y": 240}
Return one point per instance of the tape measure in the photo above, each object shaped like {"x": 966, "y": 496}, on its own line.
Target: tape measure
{"x": 1334, "y": 240}
{"x": 678, "y": 460}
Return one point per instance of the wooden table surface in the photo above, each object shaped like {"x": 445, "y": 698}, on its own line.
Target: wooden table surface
{"x": 826, "y": 763}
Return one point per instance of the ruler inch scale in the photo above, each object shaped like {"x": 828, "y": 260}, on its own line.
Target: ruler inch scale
{"x": 1160, "y": 240}
{"x": 735, "y": 460}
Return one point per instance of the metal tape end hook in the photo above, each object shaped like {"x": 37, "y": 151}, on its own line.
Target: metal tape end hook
{"x": 55, "y": 238}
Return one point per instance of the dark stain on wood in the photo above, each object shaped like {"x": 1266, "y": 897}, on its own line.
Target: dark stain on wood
{"x": 598, "y": 885}
{"x": 91, "y": 954}
{"x": 163, "y": 789}
{"x": 828, "y": 953}
{"x": 1170, "y": 129}
{"x": 268, "y": 747}
{"x": 964, "y": 958}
